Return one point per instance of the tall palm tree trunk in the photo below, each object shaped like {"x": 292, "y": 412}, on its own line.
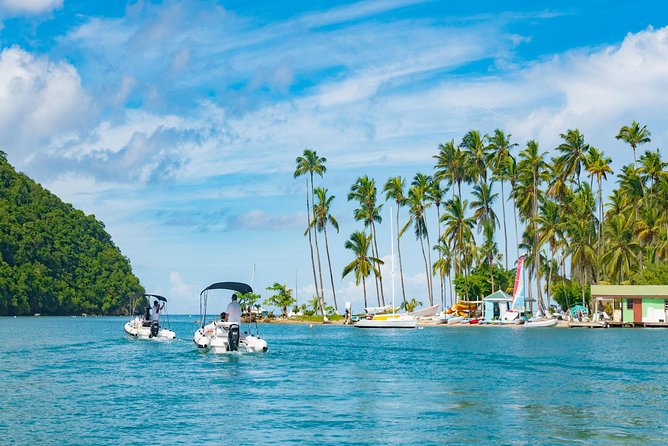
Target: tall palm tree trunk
{"x": 430, "y": 276}
{"x": 517, "y": 237}
{"x": 329, "y": 263}
{"x": 375, "y": 244}
{"x": 505, "y": 232}
{"x": 310, "y": 241}
{"x": 366, "y": 305}
{"x": 426, "y": 266}
{"x": 317, "y": 252}
{"x": 401, "y": 268}
{"x": 440, "y": 254}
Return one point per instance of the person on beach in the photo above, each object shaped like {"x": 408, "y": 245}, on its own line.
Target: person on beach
{"x": 234, "y": 311}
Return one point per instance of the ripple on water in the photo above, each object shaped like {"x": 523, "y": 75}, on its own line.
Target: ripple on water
{"x": 87, "y": 383}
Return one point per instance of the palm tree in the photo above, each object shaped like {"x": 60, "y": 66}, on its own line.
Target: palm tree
{"x": 634, "y": 135}
{"x": 311, "y": 163}
{"x": 533, "y": 171}
{"x": 511, "y": 171}
{"x": 458, "y": 230}
{"x": 416, "y": 212}
{"x": 622, "y": 251}
{"x": 500, "y": 143}
{"x": 651, "y": 169}
{"x": 482, "y": 208}
{"x": 478, "y": 153}
{"x": 443, "y": 265}
{"x": 394, "y": 189}
{"x": 364, "y": 191}
{"x": 323, "y": 217}
{"x": 489, "y": 250}
{"x": 451, "y": 165}
{"x": 435, "y": 196}
{"x": 424, "y": 184}
{"x": 362, "y": 264}
{"x": 580, "y": 234}
{"x": 598, "y": 165}
{"x": 631, "y": 187}
{"x": 549, "y": 231}
{"x": 574, "y": 152}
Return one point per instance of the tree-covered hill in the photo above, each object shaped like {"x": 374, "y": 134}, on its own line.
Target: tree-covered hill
{"x": 55, "y": 259}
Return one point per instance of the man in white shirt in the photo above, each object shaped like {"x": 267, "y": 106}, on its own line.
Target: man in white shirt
{"x": 155, "y": 314}
{"x": 234, "y": 311}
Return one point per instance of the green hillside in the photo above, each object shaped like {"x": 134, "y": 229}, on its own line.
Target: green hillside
{"x": 55, "y": 259}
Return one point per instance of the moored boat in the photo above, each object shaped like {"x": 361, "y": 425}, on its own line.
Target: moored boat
{"x": 541, "y": 322}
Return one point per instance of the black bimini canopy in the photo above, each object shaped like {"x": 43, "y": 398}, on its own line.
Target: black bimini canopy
{"x": 160, "y": 298}
{"x": 234, "y": 286}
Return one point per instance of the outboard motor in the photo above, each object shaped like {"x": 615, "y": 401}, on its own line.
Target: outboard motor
{"x": 155, "y": 327}
{"x": 233, "y": 337}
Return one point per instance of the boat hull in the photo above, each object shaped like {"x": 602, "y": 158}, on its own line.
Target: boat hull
{"x": 386, "y": 323}
{"x": 214, "y": 339}
{"x": 541, "y": 324}
{"x": 135, "y": 329}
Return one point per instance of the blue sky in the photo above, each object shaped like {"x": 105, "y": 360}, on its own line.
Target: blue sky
{"x": 177, "y": 122}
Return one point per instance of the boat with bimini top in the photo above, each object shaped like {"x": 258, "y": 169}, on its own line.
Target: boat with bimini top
{"x": 153, "y": 323}
{"x": 224, "y": 335}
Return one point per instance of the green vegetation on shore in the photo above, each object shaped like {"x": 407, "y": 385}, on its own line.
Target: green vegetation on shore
{"x": 54, "y": 259}
{"x": 570, "y": 234}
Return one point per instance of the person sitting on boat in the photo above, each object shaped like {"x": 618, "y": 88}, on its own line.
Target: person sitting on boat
{"x": 155, "y": 315}
{"x": 223, "y": 317}
{"x": 234, "y": 311}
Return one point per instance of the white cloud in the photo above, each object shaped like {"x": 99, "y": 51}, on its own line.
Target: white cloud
{"x": 42, "y": 100}
{"x": 29, "y": 7}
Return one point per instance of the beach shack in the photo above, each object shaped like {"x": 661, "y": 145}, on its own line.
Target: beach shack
{"x": 638, "y": 305}
{"x": 496, "y": 305}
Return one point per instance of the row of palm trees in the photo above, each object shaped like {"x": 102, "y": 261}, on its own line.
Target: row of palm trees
{"x": 561, "y": 222}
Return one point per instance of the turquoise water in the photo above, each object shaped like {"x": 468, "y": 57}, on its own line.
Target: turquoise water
{"x": 85, "y": 383}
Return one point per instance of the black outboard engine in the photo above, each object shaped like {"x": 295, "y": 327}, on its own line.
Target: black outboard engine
{"x": 233, "y": 338}
{"x": 155, "y": 327}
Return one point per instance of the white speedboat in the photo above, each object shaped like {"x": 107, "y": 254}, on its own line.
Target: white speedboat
{"x": 226, "y": 336}
{"x": 542, "y": 322}
{"x": 143, "y": 327}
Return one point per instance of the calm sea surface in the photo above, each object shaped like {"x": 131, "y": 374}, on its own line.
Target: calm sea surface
{"x": 81, "y": 381}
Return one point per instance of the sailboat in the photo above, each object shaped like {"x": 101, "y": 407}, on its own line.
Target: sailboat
{"x": 513, "y": 315}
{"x": 389, "y": 320}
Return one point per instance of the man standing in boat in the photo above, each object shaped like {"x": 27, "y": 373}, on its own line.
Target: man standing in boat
{"x": 234, "y": 311}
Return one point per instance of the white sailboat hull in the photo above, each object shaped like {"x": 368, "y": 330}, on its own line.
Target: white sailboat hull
{"x": 386, "y": 323}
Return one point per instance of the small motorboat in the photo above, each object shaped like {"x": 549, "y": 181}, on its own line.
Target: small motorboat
{"x": 226, "y": 336}
{"x": 541, "y": 322}
{"x": 149, "y": 326}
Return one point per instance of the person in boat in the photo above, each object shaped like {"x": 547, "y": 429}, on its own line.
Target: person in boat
{"x": 234, "y": 311}
{"x": 155, "y": 314}
{"x": 223, "y": 317}
{"x": 147, "y": 314}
